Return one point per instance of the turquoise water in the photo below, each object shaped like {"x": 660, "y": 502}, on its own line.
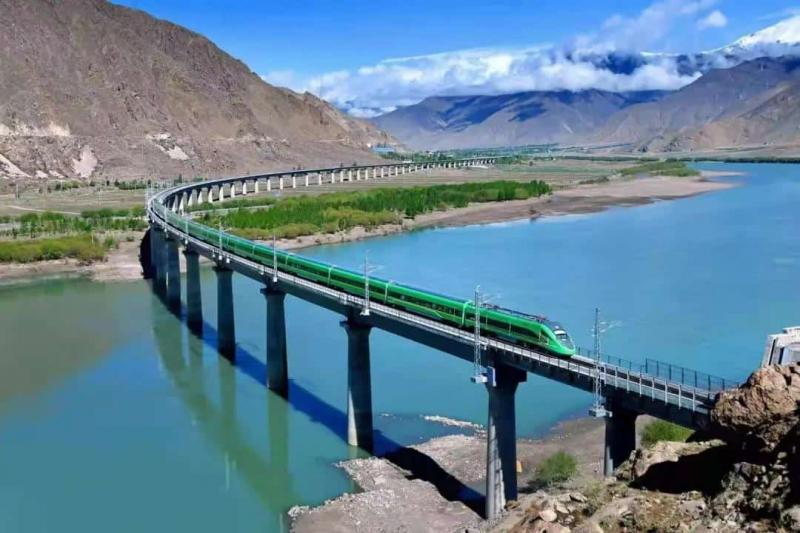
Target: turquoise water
{"x": 113, "y": 417}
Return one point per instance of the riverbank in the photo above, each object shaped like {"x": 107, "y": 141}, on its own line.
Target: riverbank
{"x": 120, "y": 264}
{"x": 123, "y": 263}
{"x": 394, "y": 498}
{"x": 581, "y": 199}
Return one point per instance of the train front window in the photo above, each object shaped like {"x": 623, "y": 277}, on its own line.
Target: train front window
{"x": 563, "y": 338}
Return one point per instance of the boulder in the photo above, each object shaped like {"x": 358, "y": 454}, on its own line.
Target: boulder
{"x": 757, "y": 417}
{"x": 661, "y": 452}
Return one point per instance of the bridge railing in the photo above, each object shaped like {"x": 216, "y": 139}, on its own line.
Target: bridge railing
{"x": 687, "y": 378}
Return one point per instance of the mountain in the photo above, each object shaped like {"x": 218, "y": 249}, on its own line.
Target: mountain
{"x": 723, "y": 108}
{"x": 781, "y": 39}
{"x": 730, "y": 85}
{"x": 536, "y": 117}
{"x": 92, "y": 89}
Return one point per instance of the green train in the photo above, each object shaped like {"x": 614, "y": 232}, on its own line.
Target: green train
{"x": 503, "y": 324}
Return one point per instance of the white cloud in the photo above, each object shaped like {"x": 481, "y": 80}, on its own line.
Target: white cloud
{"x": 715, "y": 19}
{"x": 586, "y": 62}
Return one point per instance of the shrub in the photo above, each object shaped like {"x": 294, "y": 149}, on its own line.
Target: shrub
{"x": 557, "y": 468}
{"x": 659, "y": 430}
{"x": 669, "y": 167}
{"x": 81, "y": 247}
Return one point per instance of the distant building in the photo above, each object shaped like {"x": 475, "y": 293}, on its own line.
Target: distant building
{"x": 782, "y": 348}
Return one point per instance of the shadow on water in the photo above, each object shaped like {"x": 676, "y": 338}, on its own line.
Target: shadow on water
{"x": 227, "y": 436}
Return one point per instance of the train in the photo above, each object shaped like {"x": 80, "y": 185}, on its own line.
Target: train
{"x": 529, "y": 331}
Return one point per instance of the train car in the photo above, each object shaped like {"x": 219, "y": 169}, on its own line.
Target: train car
{"x": 504, "y": 324}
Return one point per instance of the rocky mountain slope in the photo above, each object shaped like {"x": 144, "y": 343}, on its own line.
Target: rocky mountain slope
{"x": 754, "y": 102}
{"x": 92, "y": 89}
{"x": 536, "y": 117}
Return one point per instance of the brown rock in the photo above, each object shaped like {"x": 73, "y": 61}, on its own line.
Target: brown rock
{"x": 548, "y": 515}
{"x": 758, "y": 416}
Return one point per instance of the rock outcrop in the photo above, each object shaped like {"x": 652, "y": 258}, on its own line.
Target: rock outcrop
{"x": 761, "y": 417}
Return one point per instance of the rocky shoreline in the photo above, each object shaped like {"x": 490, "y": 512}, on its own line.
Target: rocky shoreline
{"x": 741, "y": 474}
{"x": 396, "y": 496}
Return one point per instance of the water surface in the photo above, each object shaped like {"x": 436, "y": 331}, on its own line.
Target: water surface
{"x": 114, "y": 417}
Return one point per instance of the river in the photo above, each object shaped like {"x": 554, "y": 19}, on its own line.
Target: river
{"x": 113, "y": 417}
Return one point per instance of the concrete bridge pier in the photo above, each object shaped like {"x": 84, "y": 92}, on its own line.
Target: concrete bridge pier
{"x": 158, "y": 261}
{"x": 359, "y": 385}
{"x": 173, "y": 275}
{"x": 277, "y": 365}
{"x": 194, "y": 302}
{"x": 501, "y": 439}
{"x": 620, "y": 438}
{"x": 226, "y": 330}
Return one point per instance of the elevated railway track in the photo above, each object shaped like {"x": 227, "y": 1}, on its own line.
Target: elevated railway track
{"x": 629, "y": 389}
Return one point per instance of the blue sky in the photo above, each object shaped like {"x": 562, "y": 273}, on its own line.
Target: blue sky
{"x": 309, "y": 44}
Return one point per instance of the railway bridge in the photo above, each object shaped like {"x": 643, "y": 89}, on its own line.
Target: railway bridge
{"x": 628, "y": 389}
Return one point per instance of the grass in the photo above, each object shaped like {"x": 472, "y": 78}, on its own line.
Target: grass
{"x": 557, "y": 468}
{"x": 81, "y": 247}
{"x": 329, "y": 213}
{"x": 661, "y": 430}
{"x": 669, "y": 167}
{"x": 34, "y": 225}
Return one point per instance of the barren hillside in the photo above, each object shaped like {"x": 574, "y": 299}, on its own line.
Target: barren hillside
{"x": 92, "y": 89}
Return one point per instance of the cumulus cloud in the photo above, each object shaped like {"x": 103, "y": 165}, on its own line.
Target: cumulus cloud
{"x": 715, "y": 19}
{"x": 608, "y": 59}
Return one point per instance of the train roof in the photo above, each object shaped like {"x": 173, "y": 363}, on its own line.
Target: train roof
{"x": 538, "y": 318}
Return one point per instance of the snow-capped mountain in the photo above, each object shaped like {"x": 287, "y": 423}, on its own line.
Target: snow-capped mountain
{"x": 744, "y": 93}
{"x": 780, "y": 39}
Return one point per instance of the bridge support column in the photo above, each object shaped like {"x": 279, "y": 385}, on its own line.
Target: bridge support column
{"x": 359, "y": 386}
{"x": 501, "y": 439}
{"x": 620, "y": 437}
{"x": 226, "y": 330}
{"x": 158, "y": 261}
{"x": 194, "y": 302}
{"x": 173, "y": 275}
{"x": 277, "y": 365}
